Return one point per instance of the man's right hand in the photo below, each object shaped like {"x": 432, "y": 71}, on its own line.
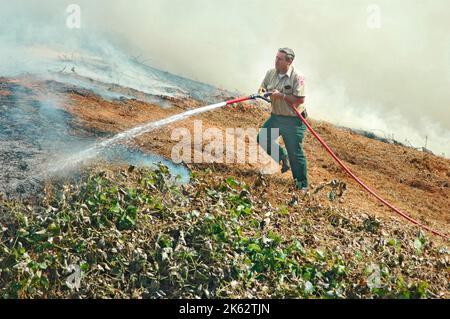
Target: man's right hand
{"x": 276, "y": 95}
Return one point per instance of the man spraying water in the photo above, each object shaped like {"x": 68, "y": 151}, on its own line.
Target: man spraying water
{"x": 288, "y": 91}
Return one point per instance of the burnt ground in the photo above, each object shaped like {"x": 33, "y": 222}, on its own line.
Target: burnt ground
{"x": 32, "y": 127}
{"x": 37, "y": 131}
{"x": 416, "y": 182}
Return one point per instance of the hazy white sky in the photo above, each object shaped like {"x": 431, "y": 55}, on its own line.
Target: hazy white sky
{"x": 394, "y": 78}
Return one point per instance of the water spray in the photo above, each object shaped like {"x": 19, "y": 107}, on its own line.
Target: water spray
{"x": 94, "y": 150}
{"x": 75, "y": 160}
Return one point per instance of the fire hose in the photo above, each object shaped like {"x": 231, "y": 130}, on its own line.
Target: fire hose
{"x": 266, "y": 96}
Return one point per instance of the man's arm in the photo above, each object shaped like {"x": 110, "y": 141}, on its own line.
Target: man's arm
{"x": 292, "y": 100}
{"x": 298, "y": 96}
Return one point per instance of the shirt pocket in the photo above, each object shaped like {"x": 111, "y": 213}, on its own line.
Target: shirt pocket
{"x": 288, "y": 89}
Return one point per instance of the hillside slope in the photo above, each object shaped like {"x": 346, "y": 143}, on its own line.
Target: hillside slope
{"x": 416, "y": 182}
{"x": 324, "y": 222}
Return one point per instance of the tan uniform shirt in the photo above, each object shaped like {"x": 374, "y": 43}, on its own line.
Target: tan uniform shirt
{"x": 290, "y": 83}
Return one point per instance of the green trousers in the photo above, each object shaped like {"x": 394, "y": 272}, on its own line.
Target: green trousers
{"x": 292, "y": 130}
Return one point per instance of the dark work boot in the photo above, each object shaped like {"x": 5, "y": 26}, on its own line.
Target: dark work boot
{"x": 285, "y": 165}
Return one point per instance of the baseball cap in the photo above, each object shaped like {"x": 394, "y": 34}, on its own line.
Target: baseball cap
{"x": 289, "y": 52}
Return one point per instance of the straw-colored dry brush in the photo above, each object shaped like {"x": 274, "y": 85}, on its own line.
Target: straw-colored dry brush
{"x": 133, "y": 233}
